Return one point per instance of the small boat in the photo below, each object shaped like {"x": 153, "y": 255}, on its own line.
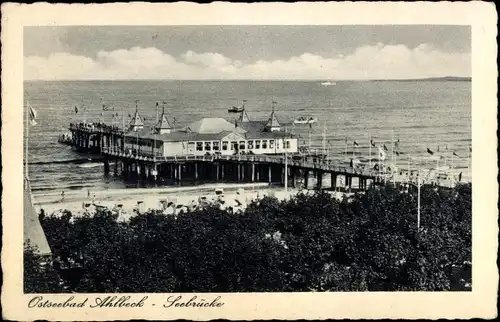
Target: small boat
{"x": 328, "y": 83}
{"x": 237, "y": 109}
{"x": 305, "y": 120}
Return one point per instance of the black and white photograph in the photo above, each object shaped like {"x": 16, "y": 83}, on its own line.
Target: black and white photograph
{"x": 214, "y": 159}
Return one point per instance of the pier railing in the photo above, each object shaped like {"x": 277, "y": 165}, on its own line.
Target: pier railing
{"x": 275, "y": 159}
{"x": 96, "y": 127}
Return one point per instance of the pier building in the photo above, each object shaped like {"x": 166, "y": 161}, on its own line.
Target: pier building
{"x": 212, "y": 135}
{"x": 213, "y": 149}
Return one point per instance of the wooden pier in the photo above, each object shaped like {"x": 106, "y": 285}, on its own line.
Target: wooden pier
{"x": 144, "y": 165}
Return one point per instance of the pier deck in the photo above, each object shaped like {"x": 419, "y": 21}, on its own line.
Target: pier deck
{"x": 109, "y": 142}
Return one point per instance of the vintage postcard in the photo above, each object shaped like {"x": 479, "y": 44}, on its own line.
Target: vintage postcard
{"x": 249, "y": 161}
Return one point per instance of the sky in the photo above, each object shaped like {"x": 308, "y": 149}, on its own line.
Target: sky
{"x": 357, "y": 52}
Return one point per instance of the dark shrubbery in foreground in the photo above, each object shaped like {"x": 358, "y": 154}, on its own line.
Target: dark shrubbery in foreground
{"x": 309, "y": 243}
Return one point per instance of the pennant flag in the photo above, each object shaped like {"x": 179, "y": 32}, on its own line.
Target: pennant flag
{"x": 429, "y": 151}
{"x": 76, "y": 109}
{"x": 355, "y": 143}
{"x": 455, "y": 154}
{"x": 385, "y": 148}
{"x": 32, "y": 115}
{"x": 372, "y": 143}
{"x": 381, "y": 153}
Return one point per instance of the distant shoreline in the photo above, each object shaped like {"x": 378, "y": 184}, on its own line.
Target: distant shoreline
{"x": 428, "y": 79}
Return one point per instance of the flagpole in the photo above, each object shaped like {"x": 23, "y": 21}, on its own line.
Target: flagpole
{"x": 379, "y": 161}
{"x": 324, "y": 137}
{"x": 418, "y": 202}
{"x": 409, "y": 167}
{"x": 452, "y": 170}
{"x": 392, "y": 157}
{"x": 469, "y": 163}
{"x": 370, "y": 148}
{"x": 392, "y": 146}
{"x": 310, "y": 131}
{"x": 26, "y": 147}
{"x": 345, "y": 153}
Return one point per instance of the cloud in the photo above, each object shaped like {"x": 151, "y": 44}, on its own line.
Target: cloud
{"x": 366, "y": 62}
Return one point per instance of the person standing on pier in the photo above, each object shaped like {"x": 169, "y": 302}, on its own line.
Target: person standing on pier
{"x": 88, "y": 193}
{"x": 62, "y": 196}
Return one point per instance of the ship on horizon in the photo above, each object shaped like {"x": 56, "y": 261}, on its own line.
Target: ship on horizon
{"x": 328, "y": 83}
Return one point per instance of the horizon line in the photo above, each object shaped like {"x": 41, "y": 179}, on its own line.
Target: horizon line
{"x": 468, "y": 78}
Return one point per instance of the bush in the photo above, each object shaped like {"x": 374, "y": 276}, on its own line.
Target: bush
{"x": 310, "y": 242}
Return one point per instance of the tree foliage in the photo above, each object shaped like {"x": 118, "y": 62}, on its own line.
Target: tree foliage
{"x": 368, "y": 242}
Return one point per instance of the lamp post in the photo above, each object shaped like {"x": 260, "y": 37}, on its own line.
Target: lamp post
{"x": 418, "y": 185}
{"x": 286, "y": 159}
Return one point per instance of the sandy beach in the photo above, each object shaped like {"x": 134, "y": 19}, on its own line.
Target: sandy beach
{"x": 129, "y": 200}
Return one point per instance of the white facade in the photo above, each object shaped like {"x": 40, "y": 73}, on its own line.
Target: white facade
{"x": 228, "y": 145}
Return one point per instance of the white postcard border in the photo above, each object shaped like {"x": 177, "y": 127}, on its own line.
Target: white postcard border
{"x": 481, "y": 302}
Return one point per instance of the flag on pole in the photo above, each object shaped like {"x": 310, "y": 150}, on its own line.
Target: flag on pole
{"x": 355, "y": 143}
{"x": 32, "y": 115}
{"x": 430, "y": 151}
{"x": 372, "y": 143}
{"x": 76, "y": 109}
{"x": 381, "y": 153}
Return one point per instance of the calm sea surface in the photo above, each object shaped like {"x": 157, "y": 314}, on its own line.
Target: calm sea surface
{"x": 421, "y": 114}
